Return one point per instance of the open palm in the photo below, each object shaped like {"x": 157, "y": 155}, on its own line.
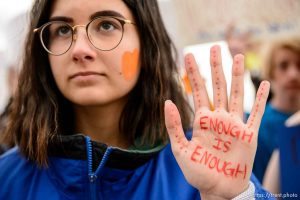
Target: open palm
{"x": 218, "y": 159}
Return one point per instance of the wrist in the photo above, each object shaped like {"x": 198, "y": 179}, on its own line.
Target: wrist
{"x": 247, "y": 192}
{"x": 212, "y": 197}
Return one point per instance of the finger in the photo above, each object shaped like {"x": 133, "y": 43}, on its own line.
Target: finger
{"x": 259, "y": 106}
{"x": 198, "y": 87}
{"x": 174, "y": 126}
{"x": 236, "y": 101}
{"x": 218, "y": 78}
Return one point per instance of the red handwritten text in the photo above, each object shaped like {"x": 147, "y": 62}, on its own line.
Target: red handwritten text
{"x": 229, "y": 169}
{"x": 222, "y": 145}
{"x": 220, "y": 127}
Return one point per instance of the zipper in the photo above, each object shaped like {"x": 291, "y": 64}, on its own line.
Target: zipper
{"x": 94, "y": 175}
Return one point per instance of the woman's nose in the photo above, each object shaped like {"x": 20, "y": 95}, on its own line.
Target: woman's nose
{"x": 82, "y": 49}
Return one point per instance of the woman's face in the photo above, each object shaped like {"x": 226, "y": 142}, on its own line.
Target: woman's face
{"x": 286, "y": 73}
{"x": 85, "y": 75}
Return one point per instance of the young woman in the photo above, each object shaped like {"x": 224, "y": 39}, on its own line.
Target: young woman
{"x": 91, "y": 120}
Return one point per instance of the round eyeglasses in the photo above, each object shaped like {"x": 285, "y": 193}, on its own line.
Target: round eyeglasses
{"x": 104, "y": 33}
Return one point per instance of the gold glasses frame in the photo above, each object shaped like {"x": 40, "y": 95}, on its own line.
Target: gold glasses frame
{"x": 73, "y": 28}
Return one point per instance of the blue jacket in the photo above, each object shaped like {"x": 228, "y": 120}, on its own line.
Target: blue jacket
{"x": 289, "y": 160}
{"x": 81, "y": 169}
{"x": 271, "y": 122}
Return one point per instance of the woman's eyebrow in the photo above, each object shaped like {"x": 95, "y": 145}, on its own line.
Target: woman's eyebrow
{"x": 93, "y": 16}
{"x": 106, "y": 13}
{"x": 61, "y": 18}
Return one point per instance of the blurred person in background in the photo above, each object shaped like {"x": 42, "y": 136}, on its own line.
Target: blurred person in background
{"x": 237, "y": 42}
{"x": 244, "y": 43}
{"x": 281, "y": 66}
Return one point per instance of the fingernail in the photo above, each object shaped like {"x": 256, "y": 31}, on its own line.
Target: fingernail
{"x": 168, "y": 102}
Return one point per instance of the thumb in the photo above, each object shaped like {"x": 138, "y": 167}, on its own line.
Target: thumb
{"x": 173, "y": 125}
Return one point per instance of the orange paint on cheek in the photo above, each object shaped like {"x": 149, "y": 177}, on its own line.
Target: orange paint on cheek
{"x": 130, "y": 61}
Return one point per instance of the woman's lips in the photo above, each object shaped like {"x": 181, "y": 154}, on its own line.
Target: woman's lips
{"x": 87, "y": 78}
{"x": 86, "y": 74}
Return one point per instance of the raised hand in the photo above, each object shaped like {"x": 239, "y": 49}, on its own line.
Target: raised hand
{"x": 218, "y": 159}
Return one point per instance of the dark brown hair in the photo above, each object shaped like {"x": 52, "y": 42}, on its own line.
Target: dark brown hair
{"x": 40, "y": 112}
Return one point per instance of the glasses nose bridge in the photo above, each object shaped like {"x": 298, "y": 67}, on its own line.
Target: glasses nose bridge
{"x": 74, "y": 28}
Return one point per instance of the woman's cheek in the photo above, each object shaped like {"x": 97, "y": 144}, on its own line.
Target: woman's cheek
{"x": 130, "y": 64}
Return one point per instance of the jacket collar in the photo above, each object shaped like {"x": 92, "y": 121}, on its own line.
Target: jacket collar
{"x": 75, "y": 147}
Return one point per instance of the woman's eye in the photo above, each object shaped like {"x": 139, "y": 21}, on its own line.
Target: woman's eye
{"x": 106, "y": 26}
{"x": 63, "y": 31}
